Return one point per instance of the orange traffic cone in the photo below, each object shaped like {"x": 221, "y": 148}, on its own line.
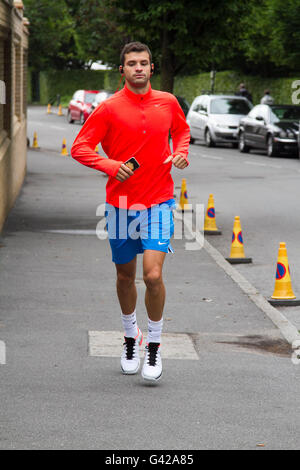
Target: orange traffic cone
{"x": 210, "y": 226}
{"x": 237, "y": 254}
{"x": 64, "y": 150}
{"x": 184, "y": 202}
{"x": 283, "y": 293}
{"x": 49, "y": 109}
{"x": 35, "y": 144}
{"x": 60, "y": 113}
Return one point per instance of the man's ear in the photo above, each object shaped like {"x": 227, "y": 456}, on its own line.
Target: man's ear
{"x": 152, "y": 69}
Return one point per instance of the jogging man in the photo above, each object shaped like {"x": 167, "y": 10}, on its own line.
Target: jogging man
{"x": 135, "y": 122}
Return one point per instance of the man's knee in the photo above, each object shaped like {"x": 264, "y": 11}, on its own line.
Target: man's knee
{"x": 125, "y": 279}
{"x": 153, "y": 278}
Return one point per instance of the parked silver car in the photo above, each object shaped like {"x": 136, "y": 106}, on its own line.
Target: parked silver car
{"x": 215, "y": 118}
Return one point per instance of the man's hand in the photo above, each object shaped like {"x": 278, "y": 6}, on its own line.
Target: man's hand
{"x": 178, "y": 161}
{"x": 124, "y": 173}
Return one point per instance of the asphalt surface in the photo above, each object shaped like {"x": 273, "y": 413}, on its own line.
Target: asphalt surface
{"x": 242, "y": 390}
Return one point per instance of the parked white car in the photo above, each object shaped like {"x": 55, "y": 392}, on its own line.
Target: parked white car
{"x": 216, "y": 118}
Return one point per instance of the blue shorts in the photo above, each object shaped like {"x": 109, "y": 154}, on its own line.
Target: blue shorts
{"x": 132, "y": 231}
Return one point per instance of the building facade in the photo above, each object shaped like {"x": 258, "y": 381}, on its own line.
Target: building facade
{"x": 13, "y": 102}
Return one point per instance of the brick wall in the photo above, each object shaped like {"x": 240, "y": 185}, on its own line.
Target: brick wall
{"x": 13, "y": 76}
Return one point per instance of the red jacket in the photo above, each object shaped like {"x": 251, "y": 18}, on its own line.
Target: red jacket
{"x": 132, "y": 125}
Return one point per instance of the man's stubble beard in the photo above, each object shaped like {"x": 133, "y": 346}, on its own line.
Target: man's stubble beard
{"x": 139, "y": 83}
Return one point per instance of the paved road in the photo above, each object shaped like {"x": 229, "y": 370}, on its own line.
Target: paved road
{"x": 239, "y": 391}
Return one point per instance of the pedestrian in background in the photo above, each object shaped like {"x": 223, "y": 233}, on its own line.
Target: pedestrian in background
{"x": 244, "y": 92}
{"x": 267, "y": 98}
{"x": 133, "y": 127}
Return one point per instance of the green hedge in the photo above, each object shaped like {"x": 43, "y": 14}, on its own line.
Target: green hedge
{"x": 281, "y": 88}
{"x": 64, "y": 83}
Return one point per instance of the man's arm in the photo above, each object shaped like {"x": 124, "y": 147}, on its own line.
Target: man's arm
{"x": 92, "y": 132}
{"x": 180, "y": 133}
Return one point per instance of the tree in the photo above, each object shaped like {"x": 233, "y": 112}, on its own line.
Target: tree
{"x": 185, "y": 36}
{"x": 271, "y": 35}
{"x": 51, "y": 40}
{"x": 98, "y": 33}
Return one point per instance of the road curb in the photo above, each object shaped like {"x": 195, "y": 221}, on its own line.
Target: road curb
{"x": 287, "y": 329}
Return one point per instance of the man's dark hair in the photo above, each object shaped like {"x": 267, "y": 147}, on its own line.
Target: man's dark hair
{"x": 134, "y": 47}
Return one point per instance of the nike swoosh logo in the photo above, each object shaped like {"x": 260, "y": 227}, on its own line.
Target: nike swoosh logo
{"x": 162, "y": 243}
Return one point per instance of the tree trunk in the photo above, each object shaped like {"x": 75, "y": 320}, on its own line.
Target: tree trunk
{"x": 35, "y": 86}
{"x": 166, "y": 65}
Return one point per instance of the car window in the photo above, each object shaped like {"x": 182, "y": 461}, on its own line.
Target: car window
{"x": 204, "y": 104}
{"x": 229, "y": 106}
{"x": 285, "y": 113}
{"x": 79, "y": 95}
{"x": 196, "y": 105}
{"x": 89, "y": 97}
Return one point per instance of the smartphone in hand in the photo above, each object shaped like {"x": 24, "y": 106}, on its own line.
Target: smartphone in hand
{"x": 132, "y": 164}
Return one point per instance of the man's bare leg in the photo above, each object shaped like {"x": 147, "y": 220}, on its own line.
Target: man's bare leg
{"x": 155, "y": 290}
{"x": 126, "y": 288}
{"x": 130, "y": 360}
{"x": 155, "y": 300}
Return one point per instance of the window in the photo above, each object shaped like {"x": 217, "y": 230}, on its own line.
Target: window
{"x": 229, "y": 106}
{"x": 25, "y": 65}
{"x": 89, "y": 97}
{"x": 2, "y": 84}
{"x": 285, "y": 113}
{"x": 196, "y": 106}
{"x": 18, "y": 91}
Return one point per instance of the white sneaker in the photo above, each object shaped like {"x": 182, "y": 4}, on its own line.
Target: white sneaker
{"x": 130, "y": 359}
{"x": 152, "y": 368}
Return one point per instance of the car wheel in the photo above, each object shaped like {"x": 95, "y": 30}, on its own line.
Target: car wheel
{"x": 192, "y": 140}
{"x": 271, "y": 147}
{"x": 235, "y": 145}
{"x": 208, "y": 139}
{"x": 70, "y": 120}
{"x": 242, "y": 144}
{"x": 81, "y": 120}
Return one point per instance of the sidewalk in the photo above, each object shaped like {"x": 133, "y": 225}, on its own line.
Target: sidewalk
{"x": 57, "y": 287}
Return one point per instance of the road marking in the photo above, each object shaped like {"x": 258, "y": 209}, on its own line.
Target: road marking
{"x": 255, "y": 163}
{"x": 110, "y": 344}
{"x": 212, "y": 157}
{"x": 58, "y": 128}
{"x": 77, "y": 232}
{"x": 203, "y": 155}
{"x": 277, "y": 167}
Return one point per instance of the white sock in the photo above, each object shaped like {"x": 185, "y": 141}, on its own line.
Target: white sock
{"x": 130, "y": 325}
{"x": 154, "y": 331}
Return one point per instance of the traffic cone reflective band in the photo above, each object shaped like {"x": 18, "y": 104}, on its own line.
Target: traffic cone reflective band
{"x": 283, "y": 292}
{"x": 210, "y": 225}
{"x": 64, "y": 150}
{"x": 237, "y": 253}
{"x": 184, "y": 202}
{"x": 35, "y": 144}
{"x": 60, "y": 113}
{"x": 49, "y": 109}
